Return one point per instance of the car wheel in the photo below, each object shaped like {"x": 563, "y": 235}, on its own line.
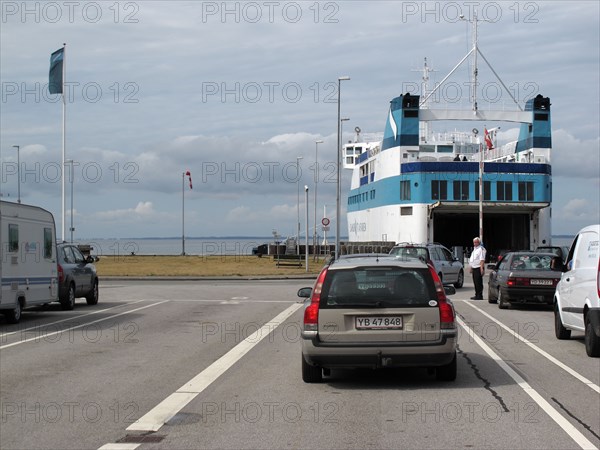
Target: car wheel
{"x": 592, "y": 342}
{"x": 14, "y": 315}
{"x": 447, "y": 372}
{"x": 502, "y": 304}
{"x": 559, "y": 330}
{"x": 461, "y": 279}
{"x": 491, "y": 298}
{"x": 92, "y": 297}
{"x": 68, "y": 302}
{"x": 311, "y": 374}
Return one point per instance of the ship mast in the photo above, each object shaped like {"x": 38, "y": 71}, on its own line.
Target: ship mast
{"x": 474, "y": 51}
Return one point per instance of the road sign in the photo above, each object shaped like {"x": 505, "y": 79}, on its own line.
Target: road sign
{"x": 325, "y": 221}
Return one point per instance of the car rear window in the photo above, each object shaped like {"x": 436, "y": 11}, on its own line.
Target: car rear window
{"x": 531, "y": 262}
{"x": 377, "y": 287}
{"x": 410, "y": 252}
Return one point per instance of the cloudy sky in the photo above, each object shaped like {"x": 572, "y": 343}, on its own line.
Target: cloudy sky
{"x": 234, "y": 92}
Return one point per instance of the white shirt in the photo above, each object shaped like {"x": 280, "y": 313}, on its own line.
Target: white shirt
{"x": 477, "y": 255}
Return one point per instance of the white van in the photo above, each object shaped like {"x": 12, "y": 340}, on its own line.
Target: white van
{"x": 577, "y": 296}
{"x": 28, "y": 271}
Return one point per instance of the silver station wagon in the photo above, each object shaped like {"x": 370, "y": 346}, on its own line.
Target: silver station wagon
{"x": 378, "y": 312}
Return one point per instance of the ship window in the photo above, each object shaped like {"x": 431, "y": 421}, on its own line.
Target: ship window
{"x": 487, "y": 190}
{"x": 349, "y": 150}
{"x": 461, "y": 190}
{"x": 48, "y": 243}
{"x": 504, "y": 190}
{"x": 542, "y": 117}
{"x": 526, "y": 191}
{"x": 405, "y": 190}
{"x": 406, "y": 211}
{"x": 349, "y": 159}
{"x": 411, "y": 113}
{"x": 13, "y": 237}
{"x": 445, "y": 149}
{"x": 427, "y": 148}
{"x": 439, "y": 190}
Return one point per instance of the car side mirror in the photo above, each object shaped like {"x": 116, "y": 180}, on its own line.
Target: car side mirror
{"x": 449, "y": 290}
{"x": 89, "y": 259}
{"x": 491, "y": 266}
{"x": 305, "y": 292}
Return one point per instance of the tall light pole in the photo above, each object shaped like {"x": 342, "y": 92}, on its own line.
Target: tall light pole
{"x": 298, "y": 158}
{"x": 306, "y": 232}
{"x": 340, "y": 157}
{"x": 18, "y": 174}
{"x": 339, "y": 180}
{"x": 71, "y": 175}
{"x": 316, "y": 183}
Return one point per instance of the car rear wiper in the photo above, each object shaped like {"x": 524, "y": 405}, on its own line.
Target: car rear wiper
{"x": 376, "y": 304}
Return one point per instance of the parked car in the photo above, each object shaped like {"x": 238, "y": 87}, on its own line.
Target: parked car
{"x": 76, "y": 276}
{"x": 523, "y": 277}
{"x": 448, "y": 268}
{"x": 378, "y": 312}
{"x": 577, "y": 296}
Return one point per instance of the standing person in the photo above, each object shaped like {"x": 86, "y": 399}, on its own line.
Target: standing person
{"x": 477, "y": 267}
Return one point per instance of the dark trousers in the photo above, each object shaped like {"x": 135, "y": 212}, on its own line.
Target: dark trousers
{"x": 478, "y": 282}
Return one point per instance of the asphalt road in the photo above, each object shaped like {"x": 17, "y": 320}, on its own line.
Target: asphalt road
{"x": 216, "y": 364}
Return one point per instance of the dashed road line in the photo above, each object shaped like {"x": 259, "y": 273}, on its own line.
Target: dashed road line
{"x": 165, "y": 410}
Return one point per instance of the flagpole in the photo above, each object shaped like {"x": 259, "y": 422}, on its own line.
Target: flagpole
{"x": 64, "y": 132}
{"x": 183, "y": 214}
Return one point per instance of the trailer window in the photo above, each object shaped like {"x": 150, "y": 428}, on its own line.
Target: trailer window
{"x": 48, "y": 243}
{"x": 13, "y": 237}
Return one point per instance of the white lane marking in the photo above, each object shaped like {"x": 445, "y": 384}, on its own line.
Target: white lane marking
{"x": 573, "y": 432}
{"x": 119, "y": 446}
{"x": 545, "y": 354}
{"x": 80, "y": 326}
{"x": 37, "y": 327}
{"x": 165, "y": 410}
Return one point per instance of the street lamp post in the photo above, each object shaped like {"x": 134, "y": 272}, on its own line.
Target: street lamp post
{"x": 306, "y": 231}
{"x": 339, "y": 192}
{"x": 316, "y": 183}
{"x": 298, "y": 158}
{"x": 18, "y": 174}
{"x": 340, "y": 157}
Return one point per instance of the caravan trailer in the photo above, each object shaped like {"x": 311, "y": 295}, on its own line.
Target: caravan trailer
{"x": 28, "y": 270}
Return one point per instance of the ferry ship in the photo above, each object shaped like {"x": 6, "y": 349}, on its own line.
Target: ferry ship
{"x": 418, "y": 186}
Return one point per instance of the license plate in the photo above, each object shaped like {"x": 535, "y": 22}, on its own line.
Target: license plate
{"x": 378, "y": 323}
{"x": 541, "y": 282}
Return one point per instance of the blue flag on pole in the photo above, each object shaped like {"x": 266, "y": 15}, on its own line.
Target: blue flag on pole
{"x": 55, "y": 83}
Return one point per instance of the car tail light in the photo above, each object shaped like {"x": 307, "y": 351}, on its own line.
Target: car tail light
{"x": 61, "y": 274}
{"x": 311, "y": 313}
{"x": 446, "y": 309}
{"x": 517, "y": 281}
